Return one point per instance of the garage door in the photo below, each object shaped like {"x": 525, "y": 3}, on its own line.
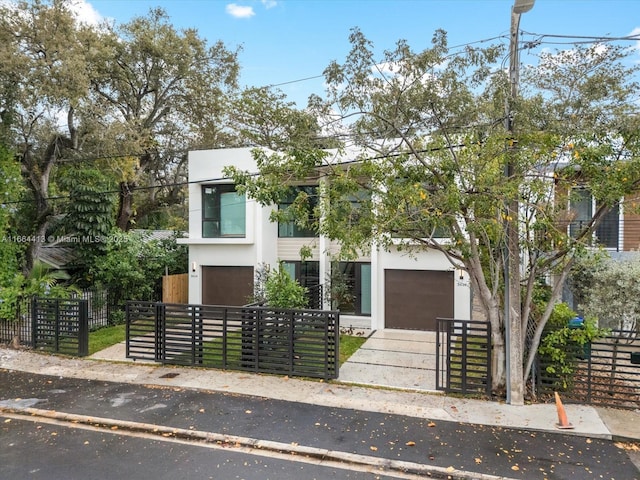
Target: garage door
{"x": 227, "y": 285}
{"x": 415, "y": 298}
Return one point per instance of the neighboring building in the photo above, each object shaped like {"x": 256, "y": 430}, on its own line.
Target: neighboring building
{"x": 619, "y": 230}
{"x": 231, "y": 236}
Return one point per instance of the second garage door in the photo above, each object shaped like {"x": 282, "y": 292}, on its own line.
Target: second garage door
{"x": 415, "y": 298}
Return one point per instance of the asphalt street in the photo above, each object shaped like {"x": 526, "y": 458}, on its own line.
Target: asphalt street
{"x": 135, "y": 439}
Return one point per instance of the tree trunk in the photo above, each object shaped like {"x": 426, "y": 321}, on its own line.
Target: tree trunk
{"x": 33, "y": 247}
{"x": 125, "y": 206}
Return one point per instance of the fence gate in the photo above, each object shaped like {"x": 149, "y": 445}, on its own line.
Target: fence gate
{"x": 60, "y": 325}
{"x": 463, "y": 356}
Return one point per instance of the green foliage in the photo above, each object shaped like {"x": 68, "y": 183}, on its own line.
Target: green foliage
{"x": 613, "y": 296}
{"x": 134, "y": 97}
{"x": 563, "y": 346}
{"x": 431, "y": 158}
{"x": 10, "y": 189}
{"x": 264, "y": 117}
{"x": 41, "y": 282}
{"x": 282, "y": 291}
{"x": 349, "y": 344}
{"x": 106, "y": 337}
{"x": 132, "y": 267}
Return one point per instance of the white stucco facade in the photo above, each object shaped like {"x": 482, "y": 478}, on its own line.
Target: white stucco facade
{"x": 261, "y": 244}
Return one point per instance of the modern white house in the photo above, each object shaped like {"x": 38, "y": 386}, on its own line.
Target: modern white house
{"x": 231, "y": 237}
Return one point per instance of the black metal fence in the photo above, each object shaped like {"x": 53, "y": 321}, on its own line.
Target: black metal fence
{"x": 463, "y": 356}
{"x": 250, "y": 338}
{"x": 605, "y": 372}
{"x": 60, "y": 326}
{"x": 100, "y": 311}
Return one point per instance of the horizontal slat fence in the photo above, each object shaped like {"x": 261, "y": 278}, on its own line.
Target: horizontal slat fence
{"x": 99, "y": 309}
{"x": 606, "y": 372}
{"x": 463, "y": 356}
{"x": 250, "y": 338}
{"x": 60, "y": 326}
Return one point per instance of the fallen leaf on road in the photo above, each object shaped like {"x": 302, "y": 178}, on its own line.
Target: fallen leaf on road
{"x": 374, "y": 449}
{"x": 431, "y": 424}
{"x": 410, "y": 444}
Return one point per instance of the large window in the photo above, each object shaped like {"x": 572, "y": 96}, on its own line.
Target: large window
{"x": 583, "y": 207}
{"x": 223, "y": 212}
{"x": 307, "y": 274}
{"x": 351, "y": 284}
{"x": 301, "y": 202}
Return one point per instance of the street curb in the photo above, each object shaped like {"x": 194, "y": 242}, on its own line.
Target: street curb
{"x": 321, "y": 454}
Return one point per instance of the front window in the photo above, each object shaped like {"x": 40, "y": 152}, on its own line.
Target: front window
{"x": 223, "y": 211}
{"x": 351, "y": 287}
{"x": 302, "y": 200}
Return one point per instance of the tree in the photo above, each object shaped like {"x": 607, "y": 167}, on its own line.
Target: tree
{"x": 132, "y": 266}
{"x": 165, "y": 91}
{"x": 263, "y": 117}
{"x": 432, "y": 149}
{"x": 44, "y": 73}
{"x": 90, "y": 213}
{"x": 10, "y": 188}
{"x": 613, "y": 294}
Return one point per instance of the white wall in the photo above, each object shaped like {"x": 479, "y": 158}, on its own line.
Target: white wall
{"x": 259, "y": 244}
{"x": 416, "y": 260}
{"x": 262, "y": 245}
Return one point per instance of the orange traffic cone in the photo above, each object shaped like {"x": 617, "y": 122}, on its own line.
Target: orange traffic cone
{"x": 563, "y": 421}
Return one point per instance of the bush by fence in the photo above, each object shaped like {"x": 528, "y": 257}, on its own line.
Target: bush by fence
{"x": 605, "y": 372}
{"x": 101, "y": 310}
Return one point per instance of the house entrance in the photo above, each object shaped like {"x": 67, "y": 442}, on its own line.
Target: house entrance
{"x": 414, "y": 299}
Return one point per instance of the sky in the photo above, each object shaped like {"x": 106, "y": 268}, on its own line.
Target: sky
{"x": 289, "y": 43}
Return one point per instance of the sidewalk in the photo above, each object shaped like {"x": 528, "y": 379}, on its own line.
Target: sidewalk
{"x": 623, "y": 425}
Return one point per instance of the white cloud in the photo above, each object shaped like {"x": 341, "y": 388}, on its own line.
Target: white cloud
{"x": 269, "y": 3}
{"x": 85, "y": 12}
{"x": 239, "y": 11}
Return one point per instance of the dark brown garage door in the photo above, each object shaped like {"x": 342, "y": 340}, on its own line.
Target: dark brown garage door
{"x": 227, "y": 285}
{"x": 415, "y": 298}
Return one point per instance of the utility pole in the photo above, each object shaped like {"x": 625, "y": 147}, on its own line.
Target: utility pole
{"x": 514, "y": 338}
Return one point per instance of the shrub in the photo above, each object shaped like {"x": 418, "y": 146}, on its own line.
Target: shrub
{"x": 282, "y": 291}
{"x": 565, "y": 344}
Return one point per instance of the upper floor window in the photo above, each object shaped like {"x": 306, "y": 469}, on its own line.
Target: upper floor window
{"x": 223, "y": 211}
{"x": 304, "y": 200}
{"x": 583, "y": 206}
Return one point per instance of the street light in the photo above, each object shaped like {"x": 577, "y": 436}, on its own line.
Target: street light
{"x": 512, "y": 319}
{"x": 522, "y": 6}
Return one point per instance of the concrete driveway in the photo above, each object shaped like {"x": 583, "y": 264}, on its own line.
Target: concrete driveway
{"x": 394, "y": 358}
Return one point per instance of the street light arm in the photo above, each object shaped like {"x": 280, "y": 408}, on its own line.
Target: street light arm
{"x": 522, "y": 6}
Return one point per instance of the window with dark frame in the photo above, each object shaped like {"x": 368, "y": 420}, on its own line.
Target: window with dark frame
{"x": 357, "y": 279}
{"x": 223, "y": 212}
{"x": 292, "y": 229}
{"x": 583, "y": 206}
